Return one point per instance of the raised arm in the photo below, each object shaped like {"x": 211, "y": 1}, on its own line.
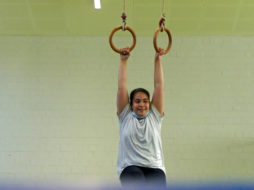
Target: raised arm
{"x": 122, "y": 92}
{"x": 158, "y": 94}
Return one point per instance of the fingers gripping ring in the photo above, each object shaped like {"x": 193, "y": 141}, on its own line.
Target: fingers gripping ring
{"x": 112, "y": 34}
{"x": 169, "y": 39}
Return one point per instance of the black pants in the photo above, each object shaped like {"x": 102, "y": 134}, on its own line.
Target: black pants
{"x": 136, "y": 175}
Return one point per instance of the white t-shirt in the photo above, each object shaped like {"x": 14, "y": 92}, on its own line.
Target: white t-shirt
{"x": 140, "y": 140}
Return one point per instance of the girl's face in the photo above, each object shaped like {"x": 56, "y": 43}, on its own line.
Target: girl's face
{"x": 140, "y": 104}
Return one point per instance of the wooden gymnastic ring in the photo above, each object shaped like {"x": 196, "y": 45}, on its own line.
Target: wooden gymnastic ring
{"x": 169, "y": 39}
{"x": 113, "y": 32}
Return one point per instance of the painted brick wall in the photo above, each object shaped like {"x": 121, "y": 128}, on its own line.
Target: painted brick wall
{"x": 58, "y": 114}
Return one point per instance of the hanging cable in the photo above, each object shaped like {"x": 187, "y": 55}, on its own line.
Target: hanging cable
{"x": 123, "y": 16}
{"x": 124, "y": 6}
{"x": 163, "y": 17}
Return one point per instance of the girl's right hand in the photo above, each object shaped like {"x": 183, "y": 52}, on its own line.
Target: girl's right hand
{"x": 125, "y": 53}
{"x": 158, "y": 55}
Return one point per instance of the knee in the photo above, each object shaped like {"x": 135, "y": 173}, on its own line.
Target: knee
{"x": 132, "y": 174}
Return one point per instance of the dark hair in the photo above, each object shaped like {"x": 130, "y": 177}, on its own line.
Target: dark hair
{"x": 135, "y": 91}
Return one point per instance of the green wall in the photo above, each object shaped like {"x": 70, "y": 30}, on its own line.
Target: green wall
{"x": 58, "y": 114}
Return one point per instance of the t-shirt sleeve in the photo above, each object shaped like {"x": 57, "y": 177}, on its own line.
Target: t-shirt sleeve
{"x": 156, "y": 113}
{"x": 124, "y": 113}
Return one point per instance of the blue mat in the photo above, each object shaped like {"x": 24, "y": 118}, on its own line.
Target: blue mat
{"x": 247, "y": 186}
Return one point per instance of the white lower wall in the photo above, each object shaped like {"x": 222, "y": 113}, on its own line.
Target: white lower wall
{"x": 58, "y": 116}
